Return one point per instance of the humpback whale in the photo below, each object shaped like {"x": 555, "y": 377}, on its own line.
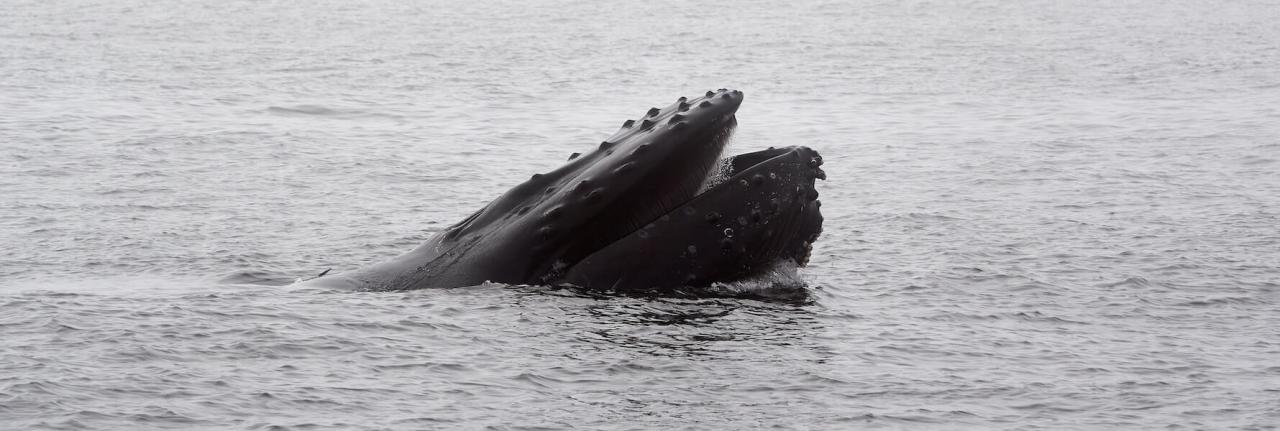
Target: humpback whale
{"x": 652, "y": 208}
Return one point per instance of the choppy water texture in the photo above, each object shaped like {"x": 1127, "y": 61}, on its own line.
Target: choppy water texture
{"x": 1039, "y": 214}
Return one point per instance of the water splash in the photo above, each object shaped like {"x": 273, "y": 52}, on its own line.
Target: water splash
{"x": 781, "y": 282}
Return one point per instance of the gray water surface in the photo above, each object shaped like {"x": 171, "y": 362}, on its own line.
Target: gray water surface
{"x": 1057, "y": 215}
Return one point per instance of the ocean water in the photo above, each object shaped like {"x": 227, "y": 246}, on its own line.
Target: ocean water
{"x": 1039, "y": 214}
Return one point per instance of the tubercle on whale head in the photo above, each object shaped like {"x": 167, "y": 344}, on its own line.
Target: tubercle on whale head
{"x": 661, "y": 159}
{"x": 681, "y": 130}
{"x": 631, "y": 177}
{"x": 658, "y": 155}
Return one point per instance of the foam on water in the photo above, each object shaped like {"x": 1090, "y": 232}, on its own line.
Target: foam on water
{"x": 782, "y": 282}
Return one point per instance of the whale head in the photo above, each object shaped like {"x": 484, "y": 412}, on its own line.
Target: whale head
{"x": 637, "y": 206}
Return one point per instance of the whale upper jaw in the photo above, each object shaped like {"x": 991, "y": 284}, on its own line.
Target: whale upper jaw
{"x": 645, "y": 169}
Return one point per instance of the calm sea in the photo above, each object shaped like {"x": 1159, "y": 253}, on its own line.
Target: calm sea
{"x": 1040, "y": 214}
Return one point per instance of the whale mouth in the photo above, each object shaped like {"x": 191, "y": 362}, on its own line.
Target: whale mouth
{"x": 670, "y": 209}
{"x": 684, "y": 175}
{"x": 696, "y": 216}
{"x": 754, "y": 211}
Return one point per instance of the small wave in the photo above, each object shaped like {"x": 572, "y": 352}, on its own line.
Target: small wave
{"x": 680, "y": 316}
{"x": 305, "y": 69}
{"x": 303, "y": 110}
{"x": 1253, "y": 160}
{"x": 426, "y": 365}
{"x": 260, "y": 278}
{"x": 1135, "y": 281}
{"x": 322, "y": 111}
{"x": 1209, "y": 302}
{"x": 1026, "y": 316}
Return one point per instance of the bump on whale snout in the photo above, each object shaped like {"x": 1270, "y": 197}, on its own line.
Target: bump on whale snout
{"x": 646, "y": 168}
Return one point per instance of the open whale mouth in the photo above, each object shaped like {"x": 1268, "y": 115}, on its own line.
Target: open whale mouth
{"x": 728, "y": 219}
